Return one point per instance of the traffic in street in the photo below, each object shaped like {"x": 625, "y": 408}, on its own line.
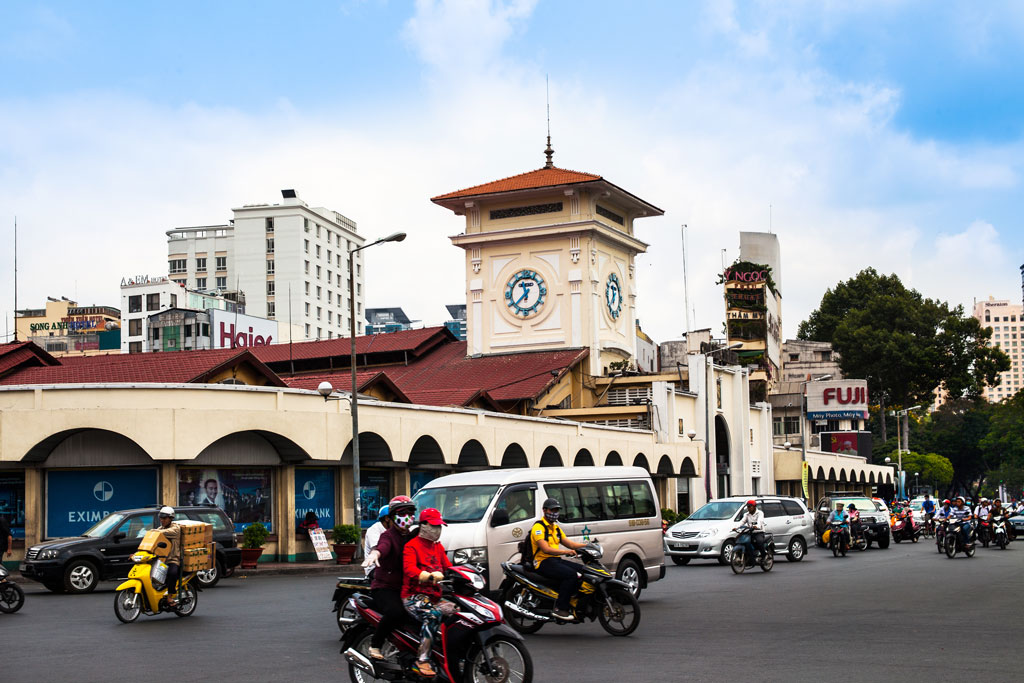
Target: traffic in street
{"x": 872, "y": 615}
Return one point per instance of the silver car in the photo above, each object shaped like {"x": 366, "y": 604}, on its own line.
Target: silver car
{"x": 707, "y": 533}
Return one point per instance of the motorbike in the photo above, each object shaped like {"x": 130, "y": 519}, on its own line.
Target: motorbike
{"x": 473, "y": 645}
{"x": 740, "y": 562}
{"x": 952, "y": 541}
{"x": 529, "y": 598}
{"x": 12, "y": 597}
{"x": 905, "y": 530}
{"x": 145, "y": 591}
{"x": 837, "y": 540}
{"x": 999, "y": 534}
{"x": 858, "y": 536}
{"x": 343, "y": 607}
{"x": 940, "y": 536}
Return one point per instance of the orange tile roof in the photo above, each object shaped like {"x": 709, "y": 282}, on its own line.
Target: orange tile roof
{"x": 542, "y": 177}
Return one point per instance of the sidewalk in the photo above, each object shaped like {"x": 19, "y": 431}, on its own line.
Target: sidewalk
{"x": 328, "y": 567}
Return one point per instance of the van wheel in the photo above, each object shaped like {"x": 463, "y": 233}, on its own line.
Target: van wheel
{"x": 681, "y": 561}
{"x": 797, "y": 550}
{"x": 629, "y": 573}
{"x": 726, "y": 555}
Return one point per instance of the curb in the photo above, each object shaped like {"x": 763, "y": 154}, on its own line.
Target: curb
{"x": 347, "y": 571}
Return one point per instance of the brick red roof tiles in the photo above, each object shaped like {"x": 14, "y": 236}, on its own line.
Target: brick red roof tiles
{"x": 542, "y": 177}
{"x": 413, "y": 341}
{"x": 170, "y": 367}
{"x": 16, "y": 354}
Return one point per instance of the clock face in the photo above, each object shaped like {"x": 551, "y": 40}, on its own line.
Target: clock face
{"x": 525, "y": 293}
{"x": 613, "y": 296}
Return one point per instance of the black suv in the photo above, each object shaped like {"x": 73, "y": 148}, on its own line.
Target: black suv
{"x": 872, "y": 515}
{"x": 103, "y": 553}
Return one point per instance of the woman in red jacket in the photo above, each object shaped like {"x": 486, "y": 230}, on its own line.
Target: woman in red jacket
{"x": 423, "y": 563}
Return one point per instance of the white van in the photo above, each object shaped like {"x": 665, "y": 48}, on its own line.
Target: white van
{"x": 488, "y": 512}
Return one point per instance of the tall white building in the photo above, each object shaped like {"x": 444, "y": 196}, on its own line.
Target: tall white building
{"x": 143, "y": 296}
{"x": 267, "y": 249}
{"x": 1007, "y": 322}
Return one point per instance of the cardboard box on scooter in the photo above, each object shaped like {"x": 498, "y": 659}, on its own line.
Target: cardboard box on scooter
{"x": 155, "y": 542}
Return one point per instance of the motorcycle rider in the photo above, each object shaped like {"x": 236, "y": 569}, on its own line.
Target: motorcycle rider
{"x": 855, "y": 525}
{"x": 928, "y": 507}
{"x": 962, "y": 512}
{"x": 172, "y": 532}
{"x": 546, "y": 536}
{"x": 999, "y": 511}
{"x": 374, "y": 532}
{"x": 754, "y": 520}
{"x": 386, "y": 561}
{"x": 982, "y": 514}
{"x": 423, "y": 563}
{"x": 842, "y": 518}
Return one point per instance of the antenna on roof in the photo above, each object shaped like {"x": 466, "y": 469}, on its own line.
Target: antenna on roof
{"x": 548, "y": 152}
{"x": 15, "y": 278}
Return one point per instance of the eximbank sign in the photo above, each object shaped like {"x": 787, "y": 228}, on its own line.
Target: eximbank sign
{"x": 837, "y": 400}
{"x": 77, "y": 499}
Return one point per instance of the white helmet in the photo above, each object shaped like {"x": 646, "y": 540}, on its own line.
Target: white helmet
{"x": 167, "y": 511}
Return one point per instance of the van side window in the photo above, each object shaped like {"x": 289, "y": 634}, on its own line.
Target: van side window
{"x": 773, "y": 510}
{"x": 569, "y": 497}
{"x": 590, "y": 499}
{"x": 643, "y": 500}
{"x": 618, "y": 501}
{"x": 519, "y": 504}
{"x": 792, "y": 507}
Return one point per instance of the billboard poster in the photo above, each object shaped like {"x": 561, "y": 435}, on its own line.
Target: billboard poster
{"x": 845, "y": 399}
{"x": 847, "y": 443}
{"x": 237, "y": 330}
{"x": 244, "y": 493}
{"x": 374, "y": 492}
{"x": 77, "y": 499}
{"x": 314, "y": 492}
{"x": 12, "y": 501}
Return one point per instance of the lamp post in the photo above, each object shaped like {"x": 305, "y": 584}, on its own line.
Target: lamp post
{"x": 709, "y": 362}
{"x": 901, "y": 415}
{"x": 325, "y": 388}
{"x": 917, "y": 482}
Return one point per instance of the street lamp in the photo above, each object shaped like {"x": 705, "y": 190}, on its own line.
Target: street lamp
{"x": 710, "y": 362}
{"x": 917, "y": 482}
{"x": 803, "y": 418}
{"x": 325, "y": 388}
{"x": 899, "y": 450}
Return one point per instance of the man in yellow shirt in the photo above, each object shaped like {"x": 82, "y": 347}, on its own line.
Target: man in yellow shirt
{"x": 546, "y": 536}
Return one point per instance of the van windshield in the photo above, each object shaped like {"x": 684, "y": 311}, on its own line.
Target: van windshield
{"x": 456, "y": 503}
{"x": 717, "y": 510}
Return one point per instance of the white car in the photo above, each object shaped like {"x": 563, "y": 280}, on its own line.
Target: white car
{"x": 707, "y": 533}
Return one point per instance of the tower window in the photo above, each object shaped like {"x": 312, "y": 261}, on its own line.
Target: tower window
{"x": 532, "y": 210}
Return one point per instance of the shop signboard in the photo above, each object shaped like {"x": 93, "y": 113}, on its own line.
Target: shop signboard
{"x": 77, "y": 499}
{"x": 323, "y": 551}
{"x": 374, "y": 492}
{"x": 847, "y": 443}
{"x": 845, "y": 399}
{"x": 244, "y": 493}
{"x": 236, "y": 330}
{"x": 12, "y": 501}
{"x": 314, "y": 492}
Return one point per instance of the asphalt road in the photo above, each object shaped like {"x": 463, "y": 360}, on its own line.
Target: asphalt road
{"x": 904, "y": 614}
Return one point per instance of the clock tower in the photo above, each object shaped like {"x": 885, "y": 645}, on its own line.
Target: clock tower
{"x": 550, "y": 264}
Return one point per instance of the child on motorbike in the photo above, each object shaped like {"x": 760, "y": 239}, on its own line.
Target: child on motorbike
{"x": 424, "y": 562}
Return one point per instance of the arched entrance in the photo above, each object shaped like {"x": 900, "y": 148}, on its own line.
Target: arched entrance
{"x": 583, "y": 458}
{"x": 376, "y": 465}
{"x": 550, "y": 457}
{"x": 473, "y": 456}
{"x": 426, "y": 462}
{"x": 722, "y": 456}
{"x": 613, "y": 459}
{"x": 514, "y": 456}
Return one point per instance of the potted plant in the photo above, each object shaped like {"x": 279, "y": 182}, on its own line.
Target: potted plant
{"x": 345, "y": 538}
{"x": 253, "y": 538}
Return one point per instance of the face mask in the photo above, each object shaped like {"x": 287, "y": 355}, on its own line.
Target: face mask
{"x": 429, "y": 532}
{"x": 404, "y": 522}
{"x": 551, "y": 516}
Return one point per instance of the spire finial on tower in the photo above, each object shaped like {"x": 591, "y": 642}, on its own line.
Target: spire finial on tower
{"x": 548, "y": 151}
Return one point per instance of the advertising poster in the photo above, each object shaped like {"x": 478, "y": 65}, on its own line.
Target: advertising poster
{"x": 374, "y": 491}
{"x": 847, "y": 443}
{"x": 244, "y": 493}
{"x": 418, "y": 480}
{"x": 314, "y": 492}
{"x": 323, "y": 551}
{"x": 77, "y": 499}
{"x": 12, "y": 501}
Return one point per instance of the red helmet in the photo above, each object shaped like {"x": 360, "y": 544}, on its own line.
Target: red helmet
{"x": 401, "y": 503}
{"x": 946, "y": 502}
{"x": 752, "y": 502}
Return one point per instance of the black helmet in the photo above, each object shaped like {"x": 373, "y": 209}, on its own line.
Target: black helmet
{"x": 551, "y": 504}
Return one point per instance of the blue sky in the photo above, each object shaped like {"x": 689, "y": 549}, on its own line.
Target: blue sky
{"x": 880, "y": 133}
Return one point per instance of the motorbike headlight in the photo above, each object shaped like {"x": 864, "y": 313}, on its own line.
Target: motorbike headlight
{"x": 470, "y": 555}
{"x": 708, "y": 533}
{"x": 138, "y": 557}
{"x": 477, "y": 581}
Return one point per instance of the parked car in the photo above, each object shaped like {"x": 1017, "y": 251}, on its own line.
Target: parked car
{"x": 707, "y": 533}
{"x": 1018, "y": 524}
{"x": 103, "y": 553}
{"x": 873, "y": 515}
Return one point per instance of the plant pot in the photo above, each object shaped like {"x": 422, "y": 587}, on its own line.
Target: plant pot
{"x": 250, "y": 556}
{"x": 344, "y": 552}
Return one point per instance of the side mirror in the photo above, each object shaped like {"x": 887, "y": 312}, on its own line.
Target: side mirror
{"x": 499, "y": 518}
{"x": 119, "y": 536}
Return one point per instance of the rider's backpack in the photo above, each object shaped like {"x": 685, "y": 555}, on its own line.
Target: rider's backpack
{"x": 526, "y": 545}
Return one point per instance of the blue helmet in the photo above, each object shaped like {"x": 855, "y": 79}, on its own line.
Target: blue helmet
{"x": 382, "y": 513}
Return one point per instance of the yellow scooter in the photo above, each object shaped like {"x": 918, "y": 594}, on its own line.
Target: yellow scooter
{"x": 144, "y": 591}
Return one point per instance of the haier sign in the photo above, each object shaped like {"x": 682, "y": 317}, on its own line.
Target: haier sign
{"x": 77, "y": 499}
{"x": 239, "y": 331}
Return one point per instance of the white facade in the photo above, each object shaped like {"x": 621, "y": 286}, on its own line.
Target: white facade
{"x": 138, "y": 302}
{"x": 1007, "y": 322}
{"x": 268, "y": 248}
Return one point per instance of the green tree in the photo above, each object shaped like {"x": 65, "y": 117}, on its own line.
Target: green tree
{"x": 904, "y": 344}
{"x": 1003, "y": 443}
{"x": 932, "y": 468}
